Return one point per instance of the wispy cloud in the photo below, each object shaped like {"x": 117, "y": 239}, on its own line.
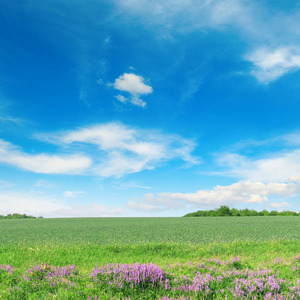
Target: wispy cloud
{"x": 10, "y": 119}
{"x": 280, "y": 205}
{"x": 135, "y": 86}
{"x": 5, "y": 184}
{"x": 20, "y": 202}
{"x": 43, "y": 163}
{"x": 37, "y": 205}
{"x": 184, "y": 15}
{"x": 90, "y": 210}
{"x": 45, "y": 184}
{"x": 118, "y": 150}
{"x": 271, "y": 64}
{"x": 151, "y": 203}
{"x": 130, "y": 185}
{"x": 276, "y": 159}
{"x": 73, "y": 194}
{"x": 237, "y": 193}
{"x": 276, "y": 167}
{"x": 122, "y": 149}
{"x": 121, "y": 98}
{"x": 271, "y": 35}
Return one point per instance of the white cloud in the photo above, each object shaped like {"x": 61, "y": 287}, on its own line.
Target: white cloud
{"x": 90, "y": 210}
{"x": 228, "y": 11}
{"x": 184, "y": 15}
{"x": 10, "y": 119}
{"x": 43, "y": 163}
{"x": 134, "y": 85}
{"x": 43, "y": 183}
{"x": 292, "y": 139}
{"x": 5, "y": 184}
{"x": 295, "y": 179}
{"x": 271, "y": 64}
{"x": 121, "y": 98}
{"x": 137, "y": 101}
{"x": 118, "y": 150}
{"x": 123, "y": 150}
{"x": 150, "y": 203}
{"x": 31, "y": 204}
{"x": 240, "y": 192}
{"x": 254, "y": 21}
{"x": 279, "y": 167}
{"x": 73, "y": 194}
{"x": 280, "y": 204}
{"x": 129, "y": 185}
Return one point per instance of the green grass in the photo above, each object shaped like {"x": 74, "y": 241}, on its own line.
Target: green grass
{"x": 87, "y": 241}
{"x": 175, "y": 244}
{"x": 86, "y": 256}
{"x": 103, "y": 231}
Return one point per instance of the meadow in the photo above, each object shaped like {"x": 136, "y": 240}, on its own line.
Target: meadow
{"x": 150, "y": 258}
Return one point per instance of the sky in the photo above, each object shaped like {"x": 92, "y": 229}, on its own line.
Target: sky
{"x": 135, "y": 108}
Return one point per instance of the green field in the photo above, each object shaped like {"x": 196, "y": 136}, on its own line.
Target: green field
{"x": 103, "y": 231}
{"x": 167, "y": 242}
{"x": 85, "y": 241}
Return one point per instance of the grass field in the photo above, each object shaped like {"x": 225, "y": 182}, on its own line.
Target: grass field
{"x": 103, "y": 231}
{"x": 177, "y": 245}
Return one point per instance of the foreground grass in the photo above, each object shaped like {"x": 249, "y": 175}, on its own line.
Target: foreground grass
{"x": 257, "y": 270}
{"x": 86, "y": 256}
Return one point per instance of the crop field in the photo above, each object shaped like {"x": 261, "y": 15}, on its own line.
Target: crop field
{"x": 150, "y": 258}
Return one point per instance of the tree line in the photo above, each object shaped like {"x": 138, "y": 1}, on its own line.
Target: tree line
{"x": 18, "y": 216}
{"x": 225, "y": 211}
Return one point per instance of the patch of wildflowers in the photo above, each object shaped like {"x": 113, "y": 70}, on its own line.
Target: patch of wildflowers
{"x": 210, "y": 279}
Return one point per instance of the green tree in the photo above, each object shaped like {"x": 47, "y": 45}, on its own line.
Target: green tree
{"x": 245, "y": 212}
{"x": 254, "y": 212}
{"x": 223, "y": 211}
{"x": 235, "y": 212}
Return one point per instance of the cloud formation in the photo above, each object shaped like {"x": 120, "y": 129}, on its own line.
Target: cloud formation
{"x": 38, "y": 205}
{"x": 73, "y": 194}
{"x": 278, "y": 167}
{"x": 271, "y": 64}
{"x": 122, "y": 150}
{"x": 271, "y": 35}
{"x": 135, "y": 86}
{"x": 107, "y": 150}
{"x": 182, "y": 15}
{"x": 44, "y": 184}
{"x": 237, "y": 193}
{"x": 43, "y": 163}
{"x": 90, "y": 210}
{"x": 280, "y": 205}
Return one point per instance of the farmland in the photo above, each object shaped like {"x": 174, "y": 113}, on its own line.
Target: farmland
{"x": 177, "y": 245}
{"x": 103, "y": 231}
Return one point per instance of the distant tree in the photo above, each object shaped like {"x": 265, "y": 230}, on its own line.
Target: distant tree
{"x": 245, "y": 212}
{"x": 223, "y": 211}
{"x": 287, "y": 213}
{"x": 254, "y": 213}
{"x": 235, "y": 212}
{"x": 17, "y": 216}
{"x": 211, "y": 213}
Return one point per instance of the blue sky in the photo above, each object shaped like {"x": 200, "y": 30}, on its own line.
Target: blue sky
{"x": 148, "y": 108}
